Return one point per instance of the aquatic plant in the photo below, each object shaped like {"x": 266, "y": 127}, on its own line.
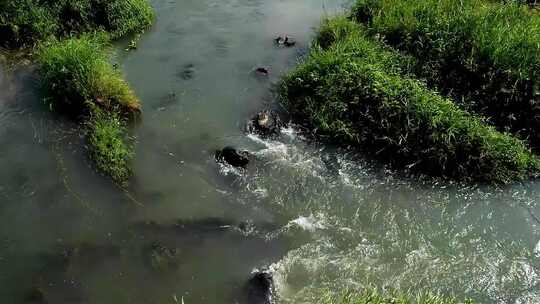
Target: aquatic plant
{"x": 23, "y": 23}
{"x": 77, "y": 75}
{"x": 358, "y": 92}
{"x": 371, "y": 296}
{"x": 108, "y": 146}
{"x": 483, "y": 54}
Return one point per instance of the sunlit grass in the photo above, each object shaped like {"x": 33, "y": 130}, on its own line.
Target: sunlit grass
{"x": 26, "y": 22}
{"x": 108, "y": 145}
{"x": 358, "y": 92}
{"x": 77, "y": 74}
{"x": 485, "y": 54}
{"x": 80, "y": 80}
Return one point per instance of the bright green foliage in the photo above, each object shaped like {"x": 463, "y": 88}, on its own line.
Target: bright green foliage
{"x": 373, "y": 297}
{"x": 346, "y": 38}
{"x": 25, "y": 22}
{"x": 80, "y": 80}
{"x": 78, "y": 75}
{"x": 484, "y": 54}
{"x": 108, "y": 146}
{"x": 355, "y": 92}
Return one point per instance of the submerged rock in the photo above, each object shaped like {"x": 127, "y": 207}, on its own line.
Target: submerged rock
{"x": 187, "y": 72}
{"x": 260, "y": 288}
{"x": 233, "y": 157}
{"x": 265, "y": 123}
{"x": 35, "y": 295}
{"x": 161, "y": 258}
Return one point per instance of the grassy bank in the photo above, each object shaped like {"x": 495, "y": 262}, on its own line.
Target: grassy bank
{"x": 373, "y": 297}
{"x": 356, "y": 91}
{"x": 23, "y": 23}
{"x": 80, "y": 80}
{"x": 484, "y": 54}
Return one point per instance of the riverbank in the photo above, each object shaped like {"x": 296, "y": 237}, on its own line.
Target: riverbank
{"x": 483, "y": 54}
{"x": 357, "y": 89}
{"x": 24, "y": 24}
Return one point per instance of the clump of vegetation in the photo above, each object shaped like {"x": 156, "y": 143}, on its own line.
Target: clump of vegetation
{"x": 23, "y": 23}
{"x": 78, "y": 76}
{"x": 109, "y": 148}
{"x": 74, "y": 64}
{"x": 373, "y": 297}
{"x": 357, "y": 92}
{"x": 483, "y": 54}
{"x": 80, "y": 80}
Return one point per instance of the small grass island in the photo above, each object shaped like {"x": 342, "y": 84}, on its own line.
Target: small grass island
{"x": 70, "y": 42}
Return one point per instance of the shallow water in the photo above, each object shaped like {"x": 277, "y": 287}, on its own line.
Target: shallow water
{"x": 318, "y": 217}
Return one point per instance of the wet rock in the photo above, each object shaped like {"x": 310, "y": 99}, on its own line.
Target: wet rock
{"x": 260, "y": 288}
{"x": 233, "y": 157}
{"x": 161, "y": 258}
{"x": 265, "y": 123}
{"x": 263, "y": 71}
{"x": 285, "y": 41}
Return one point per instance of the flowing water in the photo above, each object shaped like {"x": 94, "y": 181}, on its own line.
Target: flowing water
{"x": 318, "y": 217}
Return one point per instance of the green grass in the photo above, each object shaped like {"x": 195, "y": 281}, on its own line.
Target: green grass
{"x": 484, "y": 54}
{"x": 23, "y": 23}
{"x": 373, "y": 297}
{"x": 358, "y": 92}
{"x": 77, "y": 75}
{"x": 80, "y": 80}
{"x": 74, "y": 64}
{"x": 108, "y": 145}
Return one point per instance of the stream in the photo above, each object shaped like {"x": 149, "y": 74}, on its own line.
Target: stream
{"x": 318, "y": 217}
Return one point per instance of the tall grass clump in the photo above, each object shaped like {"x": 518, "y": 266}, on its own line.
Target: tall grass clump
{"x": 77, "y": 76}
{"x": 356, "y": 93}
{"x": 80, "y": 81}
{"x": 374, "y": 297}
{"x": 23, "y": 23}
{"x": 483, "y": 54}
{"x": 109, "y": 148}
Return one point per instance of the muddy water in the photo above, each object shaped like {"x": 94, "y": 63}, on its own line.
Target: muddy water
{"x": 318, "y": 217}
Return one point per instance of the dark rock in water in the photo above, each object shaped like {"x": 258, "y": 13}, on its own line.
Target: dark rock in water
{"x": 286, "y": 41}
{"x": 233, "y": 157}
{"x": 35, "y": 295}
{"x": 187, "y": 72}
{"x": 265, "y": 123}
{"x": 264, "y": 71}
{"x": 289, "y": 42}
{"x": 161, "y": 258}
{"x": 260, "y": 288}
